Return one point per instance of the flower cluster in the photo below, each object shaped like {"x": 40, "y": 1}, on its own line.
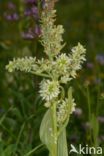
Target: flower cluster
{"x": 32, "y": 9}
{"x": 49, "y": 89}
{"x": 63, "y": 67}
{"x": 11, "y": 14}
{"x": 32, "y": 15}
{"x": 51, "y": 35}
{"x": 64, "y": 109}
{"x": 29, "y": 12}
{"x": 56, "y": 69}
{"x": 23, "y": 64}
{"x": 31, "y": 33}
{"x": 77, "y": 58}
{"x": 100, "y": 59}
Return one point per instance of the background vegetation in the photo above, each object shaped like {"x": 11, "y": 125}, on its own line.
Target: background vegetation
{"x": 21, "y": 108}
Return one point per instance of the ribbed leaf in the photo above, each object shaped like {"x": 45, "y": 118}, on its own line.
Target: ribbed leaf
{"x": 46, "y": 134}
{"x": 62, "y": 144}
{"x": 45, "y": 130}
{"x": 47, "y": 139}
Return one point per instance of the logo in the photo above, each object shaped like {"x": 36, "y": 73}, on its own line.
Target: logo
{"x": 85, "y": 150}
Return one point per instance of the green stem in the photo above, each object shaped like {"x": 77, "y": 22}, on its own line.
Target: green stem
{"x": 89, "y": 103}
{"x": 40, "y": 74}
{"x": 63, "y": 126}
{"x": 98, "y": 104}
{"x": 54, "y": 120}
{"x": 33, "y": 150}
{"x": 89, "y": 112}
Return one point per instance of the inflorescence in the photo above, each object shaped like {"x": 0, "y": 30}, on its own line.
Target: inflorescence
{"x": 57, "y": 69}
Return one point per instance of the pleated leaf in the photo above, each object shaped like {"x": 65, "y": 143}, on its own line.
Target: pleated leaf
{"x": 62, "y": 144}
{"x": 62, "y": 141}
{"x": 45, "y": 130}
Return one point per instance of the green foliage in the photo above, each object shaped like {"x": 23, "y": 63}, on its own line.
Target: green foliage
{"x": 83, "y": 21}
{"x": 6, "y": 151}
{"x": 47, "y": 138}
{"x": 46, "y": 130}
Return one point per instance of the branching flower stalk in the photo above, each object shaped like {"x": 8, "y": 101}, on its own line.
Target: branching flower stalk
{"x": 56, "y": 69}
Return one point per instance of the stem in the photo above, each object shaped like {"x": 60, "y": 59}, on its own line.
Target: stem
{"x": 54, "y": 120}
{"x": 33, "y": 150}
{"x": 89, "y": 103}
{"x": 40, "y": 74}
{"x": 98, "y": 104}
{"x": 89, "y": 112}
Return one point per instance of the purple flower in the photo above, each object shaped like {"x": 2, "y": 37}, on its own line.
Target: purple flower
{"x": 27, "y": 12}
{"x": 90, "y": 65}
{"x": 97, "y": 81}
{"x": 101, "y": 119}
{"x": 8, "y": 17}
{"x": 86, "y": 125}
{"x": 11, "y": 5}
{"x": 100, "y": 58}
{"x": 15, "y": 16}
{"x": 102, "y": 138}
{"x": 43, "y": 4}
{"x": 78, "y": 112}
{"x": 27, "y": 35}
{"x": 31, "y": 1}
{"x": 11, "y": 17}
{"x": 31, "y": 34}
{"x": 35, "y": 12}
{"x": 37, "y": 31}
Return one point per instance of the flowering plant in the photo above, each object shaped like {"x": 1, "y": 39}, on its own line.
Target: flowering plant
{"x": 56, "y": 69}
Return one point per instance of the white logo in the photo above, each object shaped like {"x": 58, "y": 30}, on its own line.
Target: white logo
{"x": 73, "y": 149}
{"x": 85, "y": 150}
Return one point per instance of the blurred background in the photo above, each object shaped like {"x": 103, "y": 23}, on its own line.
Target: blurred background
{"x": 21, "y": 108}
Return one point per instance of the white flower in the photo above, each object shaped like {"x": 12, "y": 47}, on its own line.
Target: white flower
{"x": 26, "y": 64}
{"x": 44, "y": 65}
{"x": 49, "y": 89}
{"x": 66, "y": 78}
{"x": 62, "y": 63}
{"x": 51, "y": 36}
{"x": 47, "y": 104}
{"x": 72, "y": 106}
{"x": 77, "y": 58}
{"x": 64, "y": 109}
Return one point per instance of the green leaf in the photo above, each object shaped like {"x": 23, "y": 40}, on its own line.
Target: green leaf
{"x": 95, "y": 129}
{"x": 46, "y": 134}
{"x": 45, "y": 130}
{"x": 69, "y": 110}
{"x": 16, "y": 112}
{"x": 8, "y": 150}
{"x": 33, "y": 150}
{"x": 47, "y": 139}
{"x": 62, "y": 144}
